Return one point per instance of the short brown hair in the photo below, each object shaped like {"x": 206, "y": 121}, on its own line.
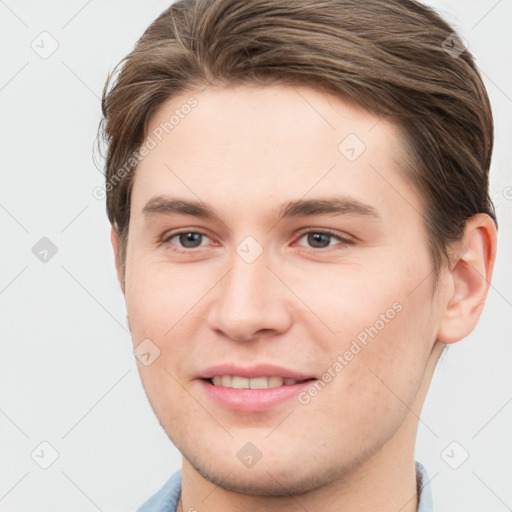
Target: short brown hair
{"x": 396, "y": 58}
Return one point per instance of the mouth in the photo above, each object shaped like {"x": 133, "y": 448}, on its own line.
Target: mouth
{"x": 256, "y": 389}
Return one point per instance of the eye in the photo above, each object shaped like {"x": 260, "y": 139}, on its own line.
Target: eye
{"x": 322, "y": 239}
{"x": 186, "y": 239}
{"x": 318, "y": 239}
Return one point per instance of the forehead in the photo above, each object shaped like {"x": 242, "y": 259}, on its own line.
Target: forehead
{"x": 257, "y": 143}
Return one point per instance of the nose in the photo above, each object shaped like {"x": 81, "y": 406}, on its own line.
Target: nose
{"x": 250, "y": 302}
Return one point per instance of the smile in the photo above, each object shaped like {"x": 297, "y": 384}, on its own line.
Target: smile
{"x": 256, "y": 389}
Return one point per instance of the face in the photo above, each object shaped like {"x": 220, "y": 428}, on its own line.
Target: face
{"x": 291, "y": 312}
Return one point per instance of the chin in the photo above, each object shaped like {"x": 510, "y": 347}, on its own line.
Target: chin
{"x": 268, "y": 480}
{"x": 293, "y": 471}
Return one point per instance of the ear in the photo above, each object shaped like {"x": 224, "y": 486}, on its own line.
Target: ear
{"x": 471, "y": 272}
{"x": 114, "y": 239}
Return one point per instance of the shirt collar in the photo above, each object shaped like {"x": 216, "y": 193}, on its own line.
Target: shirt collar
{"x": 425, "y": 503}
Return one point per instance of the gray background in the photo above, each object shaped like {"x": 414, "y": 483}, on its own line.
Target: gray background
{"x": 68, "y": 376}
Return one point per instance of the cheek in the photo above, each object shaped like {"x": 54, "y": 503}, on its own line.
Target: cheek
{"x": 384, "y": 328}
{"x": 348, "y": 298}
{"x": 160, "y": 301}
{"x": 375, "y": 382}
{"x": 392, "y": 364}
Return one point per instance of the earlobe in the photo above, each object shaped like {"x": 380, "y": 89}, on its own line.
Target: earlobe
{"x": 114, "y": 239}
{"x": 471, "y": 273}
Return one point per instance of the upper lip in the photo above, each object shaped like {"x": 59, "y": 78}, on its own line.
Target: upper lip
{"x": 259, "y": 370}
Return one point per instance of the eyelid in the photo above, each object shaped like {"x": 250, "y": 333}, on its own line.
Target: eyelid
{"x": 327, "y": 231}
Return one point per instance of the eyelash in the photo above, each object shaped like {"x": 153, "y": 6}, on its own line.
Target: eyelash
{"x": 344, "y": 241}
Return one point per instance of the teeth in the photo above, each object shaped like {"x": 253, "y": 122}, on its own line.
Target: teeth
{"x": 274, "y": 382}
{"x": 264, "y": 382}
{"x": 237, "y": 382}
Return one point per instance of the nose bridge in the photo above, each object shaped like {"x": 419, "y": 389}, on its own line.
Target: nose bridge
{"x": 248, "y": 279}
{"x": 248, "y": 299}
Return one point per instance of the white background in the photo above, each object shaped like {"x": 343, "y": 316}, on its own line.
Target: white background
{"x": 68, "y": 376}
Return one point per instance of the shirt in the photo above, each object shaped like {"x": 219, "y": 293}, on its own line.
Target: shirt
{"x": 166, "y": 499}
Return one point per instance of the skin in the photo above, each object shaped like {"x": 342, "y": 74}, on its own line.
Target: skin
{"x": 245, "y": 151}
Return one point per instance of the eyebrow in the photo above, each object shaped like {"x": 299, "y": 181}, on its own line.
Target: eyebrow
{"x": 337, "y": 205}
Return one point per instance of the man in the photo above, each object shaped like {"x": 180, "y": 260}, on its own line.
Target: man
{"x": 298, "y": 194}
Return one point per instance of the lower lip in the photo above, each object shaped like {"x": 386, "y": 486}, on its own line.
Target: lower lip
{"x": 252, "y": 400}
